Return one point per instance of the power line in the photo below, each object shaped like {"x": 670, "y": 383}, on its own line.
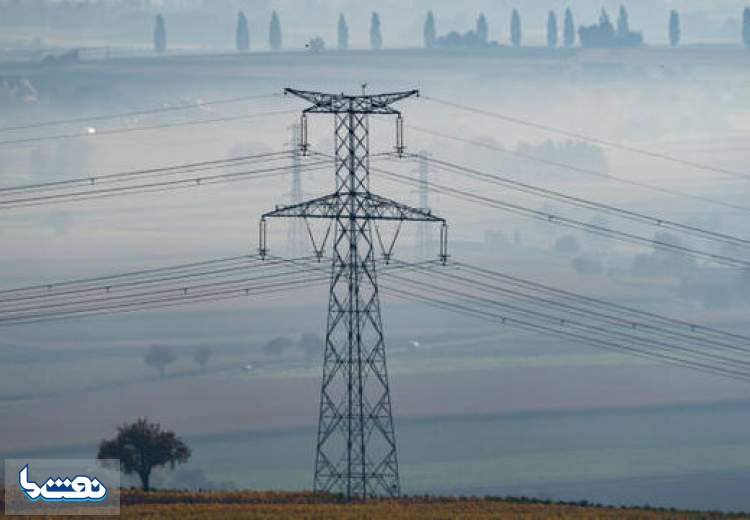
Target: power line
{"x": 135, "y": 296}
{"x": 160, "y": 292}
{"x": 596, "y": 332}
{"x": 159, "y": 303}
{"x": 593, "y": 331}
{"x": 593, "y": 321}
{"x": 536, "y": 328}
{"x": 157, "y": 186}
{"x": 133, "y": 113}
{"x": 156, "y": 288}
{"x": 488, "y": 283}
{"x": 583, "y": 137}
{"x": 24, "y": 140}
{"x": 640, "y": 316}
{"x": 585, "y": 171}
{"x": 169, "y": 170}
{"x": 53, "y": 292}
{"x": 602, "y": 336}
{"x": 114, "y": 277}
{"x": 574, "y": 223}
{"x": 569, "y": 222}
{"x": 587, "y": 204}
{"x": 576, "y": 201}
{"x": 210, "y": 280}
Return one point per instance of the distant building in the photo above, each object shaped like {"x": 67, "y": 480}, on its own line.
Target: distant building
{"x": 476, "y": 39}
{"x": 604, "y": 34}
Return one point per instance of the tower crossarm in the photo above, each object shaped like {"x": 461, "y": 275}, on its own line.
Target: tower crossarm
{"x": 359, "y": 206}
{"x": 323, "y": 103}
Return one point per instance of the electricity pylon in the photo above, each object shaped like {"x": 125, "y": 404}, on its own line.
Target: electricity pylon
{"x": 423, "y": 231}
{"x": 356, "y": 446}
{"x": 295, "y": 229}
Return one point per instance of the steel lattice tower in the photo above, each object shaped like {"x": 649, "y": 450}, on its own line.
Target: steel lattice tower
{"x": 423, "y": 231}
{"x": 295, "y": 229}
{"x": 356, "y": 447}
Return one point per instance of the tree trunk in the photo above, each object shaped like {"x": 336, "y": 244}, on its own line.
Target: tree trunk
{"x": 145, "y": 477}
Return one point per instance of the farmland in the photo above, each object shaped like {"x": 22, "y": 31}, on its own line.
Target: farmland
{"x": 278, "y": 505}
{"x": 480, "y": 409}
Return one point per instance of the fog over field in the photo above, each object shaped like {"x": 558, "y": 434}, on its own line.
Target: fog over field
{"x": 479, "y": 407}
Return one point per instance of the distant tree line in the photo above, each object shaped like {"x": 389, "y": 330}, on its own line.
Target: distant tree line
{"x": 79, "y": 14}
{"x": 242, "y": 34}
{"x": 601, "y": 34}
{"x": 160, "y": 357}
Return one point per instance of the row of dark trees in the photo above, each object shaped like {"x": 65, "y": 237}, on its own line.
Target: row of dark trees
{"x": 601, "y": 34}
{"x": 159, "y": 357}
{"x": 242, "y": 34}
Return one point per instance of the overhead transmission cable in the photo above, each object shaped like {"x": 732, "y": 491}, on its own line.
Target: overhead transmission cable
{"x": 221, "y": 269}
{"x": 159, "y": 186}
{"x": 572, "y": 223}
{"x": 114, "y": 131}
{"x": 584, "y": 137}
{"x": 108, "y": 279}
{"x": 153, "y": 293}
{"x": 628, "y": 315}
{"x": 135, "y": 113}
{"x": 484, "y": 314}
{"x": 155, "y": 288}
{"x": 165, "y": 287}
{"x": 601, "y": 336}
{"x": 147, "y": 294}
{"x": 585, "y": 171}
{"x": 580, "y": 202}
{"x": 578, "y": 316}
{"x": 147, "y": 172}
{"x": 640, "y": 341}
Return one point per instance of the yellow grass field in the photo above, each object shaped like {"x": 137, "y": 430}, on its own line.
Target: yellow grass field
{"x": 282, "y": 505}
